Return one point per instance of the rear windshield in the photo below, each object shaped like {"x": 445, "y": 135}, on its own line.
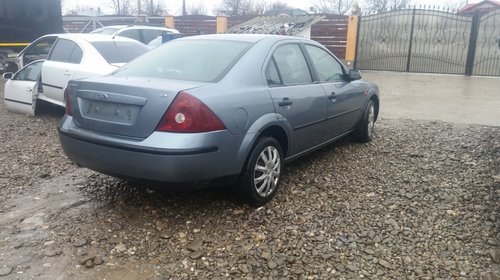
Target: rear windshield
{"x": 105, "y": 30}
{"x": 190, "y": 60}
{"x": 120, "y": 51}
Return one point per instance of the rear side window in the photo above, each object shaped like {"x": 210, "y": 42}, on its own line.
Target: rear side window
{"x": 120, "y": 51}
{"x": 272, "y": 75}
{"x": 292, "y": 65}
{"x": 66, "y": 51}
{"x": 150, "y": 34}
{"x": 191, "y": 60}
{"x": 131, "y": 33}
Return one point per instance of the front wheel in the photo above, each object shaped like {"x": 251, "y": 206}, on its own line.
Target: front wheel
{"x": 263, "y": 172}
{"x": 365, "y": 131}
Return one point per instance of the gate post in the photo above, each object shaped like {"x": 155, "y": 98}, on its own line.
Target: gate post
{"x": 170, "y": 22}
{"x": 471, "y": 53}
{"x": 358, "y": 28}
{"x": 352, "y": 35}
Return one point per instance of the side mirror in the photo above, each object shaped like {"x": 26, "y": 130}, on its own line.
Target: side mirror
{"x": 354, "y": 74}
{"x": 8, "y": 75}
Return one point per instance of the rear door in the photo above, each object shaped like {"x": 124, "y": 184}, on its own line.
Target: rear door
{"x": 300, "y": 101}
{"x": 20, "y": 89}
{"x": 63, "y": 62}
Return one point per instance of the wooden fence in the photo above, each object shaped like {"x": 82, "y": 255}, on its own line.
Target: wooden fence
{"x": 331, "y": 31}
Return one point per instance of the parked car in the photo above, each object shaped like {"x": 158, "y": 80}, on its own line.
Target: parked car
{"x": 213, "y": 108}
{"x": 20, "y": 87}
{"x": 76, "y": 56}
{"x": 141, "y": 33}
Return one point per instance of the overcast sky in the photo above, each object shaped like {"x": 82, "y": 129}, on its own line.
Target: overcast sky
{"x": 174, "y": 7}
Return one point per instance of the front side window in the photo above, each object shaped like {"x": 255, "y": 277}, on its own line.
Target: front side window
{"x": 292, "y": 65}
{"x": 328, "y": 68}
{"x": 191, "y": 60}
{"x": 30, "y": 72}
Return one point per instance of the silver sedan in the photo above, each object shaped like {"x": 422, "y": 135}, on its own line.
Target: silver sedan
{"x": 217, "y": 109}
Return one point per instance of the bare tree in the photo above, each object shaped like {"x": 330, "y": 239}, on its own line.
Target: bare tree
{"x": 153, "y": 8}
{"x": 260, "y": 7}
{"x": 387, "y": 5}
{"x": 236, "y": 7}
{"x": 340, "y": 7}
{"x": 279, "y": 5}
{"x": 196, "y": 9}
{"x": 454, "y": 5}
{"x": 121, "y": 7}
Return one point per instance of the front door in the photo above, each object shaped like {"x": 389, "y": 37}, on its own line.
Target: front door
{"x": 19, "y": 91}
{"x": 345, "y": 98}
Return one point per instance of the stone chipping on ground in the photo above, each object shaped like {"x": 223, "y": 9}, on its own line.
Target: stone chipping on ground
{"x": 419, "y": 202}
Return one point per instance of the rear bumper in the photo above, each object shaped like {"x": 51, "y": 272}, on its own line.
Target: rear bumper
{"x": 170, "y": 160}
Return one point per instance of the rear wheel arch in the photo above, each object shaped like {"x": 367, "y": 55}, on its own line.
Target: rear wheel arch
{"x": 277, "y": 133}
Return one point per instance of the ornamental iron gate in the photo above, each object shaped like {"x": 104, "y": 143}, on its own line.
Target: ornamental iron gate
{"x": 487, "y": 56}
{"x": 429, "y": 41}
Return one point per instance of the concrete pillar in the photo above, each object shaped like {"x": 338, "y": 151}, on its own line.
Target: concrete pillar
{"x": 221, "y": 22}
{"x": 170, "y": 22}
{"x": 352, "y": 33}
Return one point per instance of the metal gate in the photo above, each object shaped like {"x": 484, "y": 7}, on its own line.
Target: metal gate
{"x": 429, "y": 41}
{"x": 487, "y": 50}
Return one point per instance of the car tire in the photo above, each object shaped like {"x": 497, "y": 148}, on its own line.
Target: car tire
{"x": 365, "y": 131}
{"x": 263, "y": 172}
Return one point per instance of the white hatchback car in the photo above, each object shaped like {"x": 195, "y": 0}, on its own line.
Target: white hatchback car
{"x": 77, "y": 56}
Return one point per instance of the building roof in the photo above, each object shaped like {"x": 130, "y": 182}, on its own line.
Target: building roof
{"x": 281, "y": 25}
{"x": 483, "y": 6}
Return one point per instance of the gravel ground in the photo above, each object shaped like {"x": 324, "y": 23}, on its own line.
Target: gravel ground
{"x": 419, "y": 202}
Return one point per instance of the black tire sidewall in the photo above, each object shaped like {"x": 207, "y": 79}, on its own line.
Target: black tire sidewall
{"x": 247, "y": 184}
{"x": 361, "y": 134}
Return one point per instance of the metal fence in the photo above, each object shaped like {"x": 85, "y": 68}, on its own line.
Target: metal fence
{"x": 429, "y": 41}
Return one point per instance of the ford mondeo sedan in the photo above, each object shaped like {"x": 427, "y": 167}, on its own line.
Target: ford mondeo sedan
{"x": 217, "y": 108}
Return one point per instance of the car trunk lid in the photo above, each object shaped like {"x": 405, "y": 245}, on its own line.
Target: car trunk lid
{"x": 129, "y": 107}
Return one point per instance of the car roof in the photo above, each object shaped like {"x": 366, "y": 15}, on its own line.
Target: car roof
{"x": 89, "y": 37}
{"x": 252, "y": 38}
{"x": 133, "y": 26}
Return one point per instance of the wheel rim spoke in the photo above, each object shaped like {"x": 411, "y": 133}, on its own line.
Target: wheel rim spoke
{"x": 371, "y": 120}
{"x": 267, "y": 171}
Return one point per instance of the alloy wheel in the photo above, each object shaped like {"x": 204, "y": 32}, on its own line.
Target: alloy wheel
{"x": 267, "y": 171}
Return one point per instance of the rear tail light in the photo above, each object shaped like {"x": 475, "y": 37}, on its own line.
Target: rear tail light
{"x": 188, "y": 114}
{"x": 68, "y": 103}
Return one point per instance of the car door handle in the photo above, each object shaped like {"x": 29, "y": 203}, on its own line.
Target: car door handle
{"x": 285, "y": 102}
{"x": 332, "y": 96}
